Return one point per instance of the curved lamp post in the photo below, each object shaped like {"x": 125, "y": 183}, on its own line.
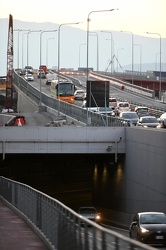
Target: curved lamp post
{"x": 132, "y": 51}
{"x": 41, "y": 54}
{"x": 156, "y": 60}
{"x": 88, "y": 20}
{"x": 19, "y": 46}
{"x": 118, "y": 56}
{"x": 51, "y": 38}
{"x": 23, "y": 47}
{"x": 140, "y": 47}
{"x": 111, "y": 47}
{"x": 28, "y": 42}
{"x": 87, "y": 66}
{"x": 160, "y": 62}
{"x": 59, "y": 57}
{"x": 95, "y": 34}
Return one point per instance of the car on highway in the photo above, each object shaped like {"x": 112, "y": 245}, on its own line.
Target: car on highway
{"x": 162, "y": 120}
{"x": 29, "y": 77}
{"x": 50, "y": 77}
{"x": 106, "y": 111}
{"x": 44, "y": 67}
{"x": 149, "y": 228}
{"x": 112, "y": 102}
{"x": 89, "y": 213}
{"x": 79, "y": 94}
{"x": 122, "y": 107}
{"x": 22, "y": 72}
{"x": 142, "y": 111}
{"x": 41, "y": 74}
{"x": 129, "y": 118}
{"x": 148, "y": 122}
{"x": 29, "y": 69}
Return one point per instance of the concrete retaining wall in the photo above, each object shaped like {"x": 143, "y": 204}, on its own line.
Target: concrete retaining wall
{"x": 145, "y": 170}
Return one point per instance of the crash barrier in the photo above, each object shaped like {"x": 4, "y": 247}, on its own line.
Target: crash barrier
{"x": 83, "y": 115}
{"x": 125, "y": 85}
{"x": 59, "y": 226}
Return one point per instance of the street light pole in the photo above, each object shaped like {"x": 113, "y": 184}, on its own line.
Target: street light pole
{"x": 28, "y": 42}
{"x": 41, "y": 56}
{"x": 156, "y": 60}
{"x": 160, "y": 62}
{"x": 88, "y": 20}
{"x": 22, "y": 48}
{"x": 59, "y": 58}
{"x": 140, "y": 57}
{"x": 132, "y": 51}
{"x": 80, "y": 51}
{"x": 18, "y": 49}
{"x": 111, "y": 59}
{"x": 87, "y": 66}
{"x": 95, "y": 34}
{"x": 118, "y": 56}
{"x": 47, "y": 49}
{"x": 19, "y": 46}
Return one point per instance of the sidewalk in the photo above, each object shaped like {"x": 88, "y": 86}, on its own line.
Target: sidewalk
{"x": 15, "y": 234}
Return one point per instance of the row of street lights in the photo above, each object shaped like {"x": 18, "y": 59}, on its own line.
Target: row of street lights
{"x": 111, "y": 49}
{"x": 87, "y": 44}
{"x": 160, "y": 61}
{"x": 132, "y": 53}
{"x": 91, "y": 33}
{"x": 88, "y": 20}
{"x": 44, "y": 31}
{"x": 27, "y": 33}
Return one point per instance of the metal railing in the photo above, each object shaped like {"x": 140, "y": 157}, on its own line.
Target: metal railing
{"x": 59, "y": 226}
{"x": 128, "y": 86}
{"x": 82, "y": 115}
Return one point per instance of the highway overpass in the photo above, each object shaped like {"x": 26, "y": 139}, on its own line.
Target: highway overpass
{"x": 143, "y": 149}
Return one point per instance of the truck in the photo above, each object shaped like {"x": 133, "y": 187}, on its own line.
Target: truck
{"x": 44, "y": 67}
{"x": 50, "y": 78}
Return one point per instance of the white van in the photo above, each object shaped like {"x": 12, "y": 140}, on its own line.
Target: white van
{"x": 50, "y": 77}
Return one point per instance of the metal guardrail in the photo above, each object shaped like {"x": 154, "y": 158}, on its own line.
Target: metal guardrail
{"x": 82, "y": 115}
{"x": 59, "y": 226}
{"x": 153, "y": 110}
{"x": 128, "y": 86}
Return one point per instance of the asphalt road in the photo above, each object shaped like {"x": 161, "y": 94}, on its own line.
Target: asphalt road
{"x": 124, "y": 95}
{"x": 114, "y": 92}
{"x": 125, "y": 233}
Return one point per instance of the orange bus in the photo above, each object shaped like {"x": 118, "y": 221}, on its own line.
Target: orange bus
{"x": 64, "y": 90}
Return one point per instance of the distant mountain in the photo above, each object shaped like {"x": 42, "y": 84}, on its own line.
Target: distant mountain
{"x": 72, "y": 54}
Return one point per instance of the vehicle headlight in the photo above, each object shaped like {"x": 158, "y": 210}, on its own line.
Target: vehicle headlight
{"x": 144, "y": 230}
{"x": 98, "y": 217}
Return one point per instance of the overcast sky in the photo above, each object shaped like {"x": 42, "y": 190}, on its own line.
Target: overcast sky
{"x": 137, "y": 16}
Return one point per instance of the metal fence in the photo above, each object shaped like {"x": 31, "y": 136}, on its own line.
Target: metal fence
{"x": 59, "y": 225}
{"x": 128, "y": 86}
{"x": 82, "y": 115}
